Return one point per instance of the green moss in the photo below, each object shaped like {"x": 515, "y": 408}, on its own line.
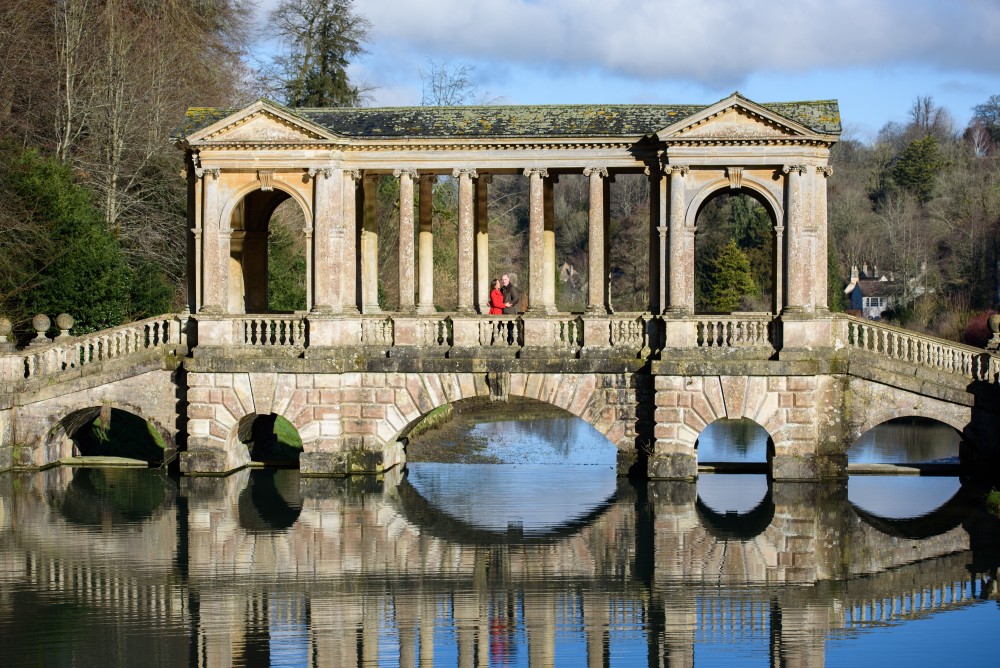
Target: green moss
{"x": 992, "y": 502}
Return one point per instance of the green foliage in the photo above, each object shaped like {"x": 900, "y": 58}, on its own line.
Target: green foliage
{"x": 917, "y": 167}
{"x": 286, "y": 269}
{"x": 75, "y": 265}
{"x": 730, "y": 279}
{"x": 993, "y": 502}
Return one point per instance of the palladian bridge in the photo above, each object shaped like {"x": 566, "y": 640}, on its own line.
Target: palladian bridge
{"x": 353, "y": 378}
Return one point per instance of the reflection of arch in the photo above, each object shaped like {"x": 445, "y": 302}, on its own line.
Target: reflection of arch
{"x": 248, "y": 215}
{"x": 97, "y": 496}
{"x": 433, "y": 521}
{"x": 131, "y": 434}
{"x": 941, "y": 520}
{"x": 737, "y": 526}
{"x": 749, "y": 186}
{"x": 270, "y": 501}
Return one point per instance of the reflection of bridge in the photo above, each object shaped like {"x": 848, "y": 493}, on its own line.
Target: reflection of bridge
{"x": 354, "y": 565}
{"x": 353, "y": 378}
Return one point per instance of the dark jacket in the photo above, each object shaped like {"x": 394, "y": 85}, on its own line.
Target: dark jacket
{"x": 512, "y": 295}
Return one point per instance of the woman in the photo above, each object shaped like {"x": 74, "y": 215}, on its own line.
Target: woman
{"x": 496, "y": 298}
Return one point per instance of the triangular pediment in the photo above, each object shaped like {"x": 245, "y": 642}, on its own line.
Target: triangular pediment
{"x": 263, "y": 122}
{"x": 735, "y": 118}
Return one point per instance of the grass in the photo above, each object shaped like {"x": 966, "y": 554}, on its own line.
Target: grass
{"x": 993, "y": 502}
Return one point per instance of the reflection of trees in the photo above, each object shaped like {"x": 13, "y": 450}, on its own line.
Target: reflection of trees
{"x": 907, "y": 441}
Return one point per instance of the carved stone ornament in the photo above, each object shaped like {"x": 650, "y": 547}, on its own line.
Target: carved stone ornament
{"x": 265, "y": 176}
{"x": 598, "y": 170}
{"x": 320, "y": 171}
{"x": 265, "y": 128}
{"x": 537, "y": 171}
{"x": 735, "y": 175}
{"x": 458, "y": 173}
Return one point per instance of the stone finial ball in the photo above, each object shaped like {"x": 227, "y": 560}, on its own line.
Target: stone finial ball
{"x": 64, "y": 321}
{"x": 41, "y": 323}
{"x": 5, "y": 327}
{"x": 994, "y": 323}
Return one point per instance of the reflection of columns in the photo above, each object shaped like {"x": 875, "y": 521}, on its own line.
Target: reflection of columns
{"x": 822, "y": 239}
{"x": 540, "y": 627}
{"x": 482, "y": 244}
{"x": 349, "y": 270}
{"x": 681, "y": 241}
{"x": 596, "y": 291}
{"x": 466, "y": 241}
{"x": 596, "y": 622}
{"x": 536, "y": 237}
{"x": 798, "y": 635}
{"x": 466, "y": 615}
{"x": 425, "y": 244}
{"x": 333, "y": 629}
{"x": 798, "y": 292}
{"x": 369, "y": 248}
{"x": 406, "y": 297}
{"x": 427, "y": 611}
{"x": 215, "y": 248}
{"x": 656, "y": 279}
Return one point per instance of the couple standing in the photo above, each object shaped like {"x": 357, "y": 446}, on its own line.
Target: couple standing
{"x": 504, "y": 296}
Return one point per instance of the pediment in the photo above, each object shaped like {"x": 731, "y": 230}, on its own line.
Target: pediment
{"x": 262, "y": 123}
{"x": 735, "y": 118}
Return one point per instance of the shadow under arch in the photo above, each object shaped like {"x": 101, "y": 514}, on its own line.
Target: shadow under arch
{"x": 110, "y": 431}
{"x": 950, "y": 515}
{"x": 271, "y": 439}
{"x": 737, "y": 526}
{"x": 271, "y": 501}
{"x": 437, "y": 522}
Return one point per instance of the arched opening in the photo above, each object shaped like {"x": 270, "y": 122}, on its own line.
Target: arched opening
{"x": 734, "y": 258}
{"x": 524, "y": 466}
{"x": 103, "y": 431}
{"x": 734, "y": 442}
{"x": 271, "y": 440}
{"x": 267, "y": 265}
{"x": 913, "y": 445}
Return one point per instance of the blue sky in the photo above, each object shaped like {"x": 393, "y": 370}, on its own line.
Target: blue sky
{"x": 874, "y": 56}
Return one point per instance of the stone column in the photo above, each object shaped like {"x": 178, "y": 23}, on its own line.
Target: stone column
{"x": 779, "y": 267}
{"x": 325, "y": 257}
{"x": 820, "y": 276}
{"x": 536, "y": 239}
{"x": 369, "y": 249}
{"x": 681, "y": 241}
{"x": 596, "y": 284}
{"x": 657, "y": 241}
{"x": 549, "y": 256}
{"x": 215, "y": 247}
{"x": 406, "y": 286}
{"x": 798, "y": 274}
{"x": 425, "y": 251}
{"x": 196, "y": 298}
{"x": 349, "y": 220}
{"x": 482, "y": 244}
{"x": 466, "y": 240}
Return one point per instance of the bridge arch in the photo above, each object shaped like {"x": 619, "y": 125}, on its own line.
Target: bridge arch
{"x": 63, "y": 439}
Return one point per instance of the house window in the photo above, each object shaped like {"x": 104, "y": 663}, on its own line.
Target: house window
{"x": 874, "y": 302}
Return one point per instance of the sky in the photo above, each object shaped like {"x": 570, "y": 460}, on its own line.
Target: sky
{"x": 873, "y": 56}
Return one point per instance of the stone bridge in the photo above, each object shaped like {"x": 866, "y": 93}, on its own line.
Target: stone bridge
{"x": 337, "y": 548}
{"x": 353, "y": 378}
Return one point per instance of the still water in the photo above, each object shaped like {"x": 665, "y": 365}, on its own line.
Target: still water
{"x": 547, "y": 560}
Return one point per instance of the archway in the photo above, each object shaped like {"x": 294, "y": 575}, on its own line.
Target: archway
{"x": 734, "y": 442}
{"x": 104, "y": 431}
{"x": 271, "y": 439}
{"x": 267, "y": 265}
{"x": 907, "y": 440}
{"x": 734, "y": 258}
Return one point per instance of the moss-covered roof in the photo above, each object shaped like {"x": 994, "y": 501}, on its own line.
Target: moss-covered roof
{"x": 592, "y": 120}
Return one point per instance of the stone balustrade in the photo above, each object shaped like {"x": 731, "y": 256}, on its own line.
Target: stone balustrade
{"x": 742, "y": 330}
{"x": 263, "y": 331}
{"x": 74, "y": 353}
{"x": 926, "y": 351}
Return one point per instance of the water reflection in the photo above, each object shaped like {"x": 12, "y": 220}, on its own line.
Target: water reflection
{"x": 733, "y": 441}
{"x": 906, "y": 441}
{"x": 272, "y": 568}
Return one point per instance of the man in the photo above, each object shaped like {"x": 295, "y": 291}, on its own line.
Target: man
{"x": 511, "y": 295}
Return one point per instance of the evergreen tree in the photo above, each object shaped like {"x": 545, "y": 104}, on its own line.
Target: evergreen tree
{"x": 730, "y": 279}
{"x": 917, "y": 167}
{"x": 321, "y": 36}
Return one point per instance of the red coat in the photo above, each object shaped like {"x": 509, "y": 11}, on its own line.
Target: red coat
{"x": 496, "y": 302}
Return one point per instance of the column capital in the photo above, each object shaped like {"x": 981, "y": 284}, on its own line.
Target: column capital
{"x": 318, "y": 171}
{"x": 596, "y": 170}
{"x": 825, "y": 170}
{"x": 214, "y": 172}
{"x": 537, "y": 171}
{"x": 412, "y": 173}
{"x": 682, "y": 170}
{"x": 460, "y": 172}
{"x": 798, "y": 169}
{"x": 355, "y": 174}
